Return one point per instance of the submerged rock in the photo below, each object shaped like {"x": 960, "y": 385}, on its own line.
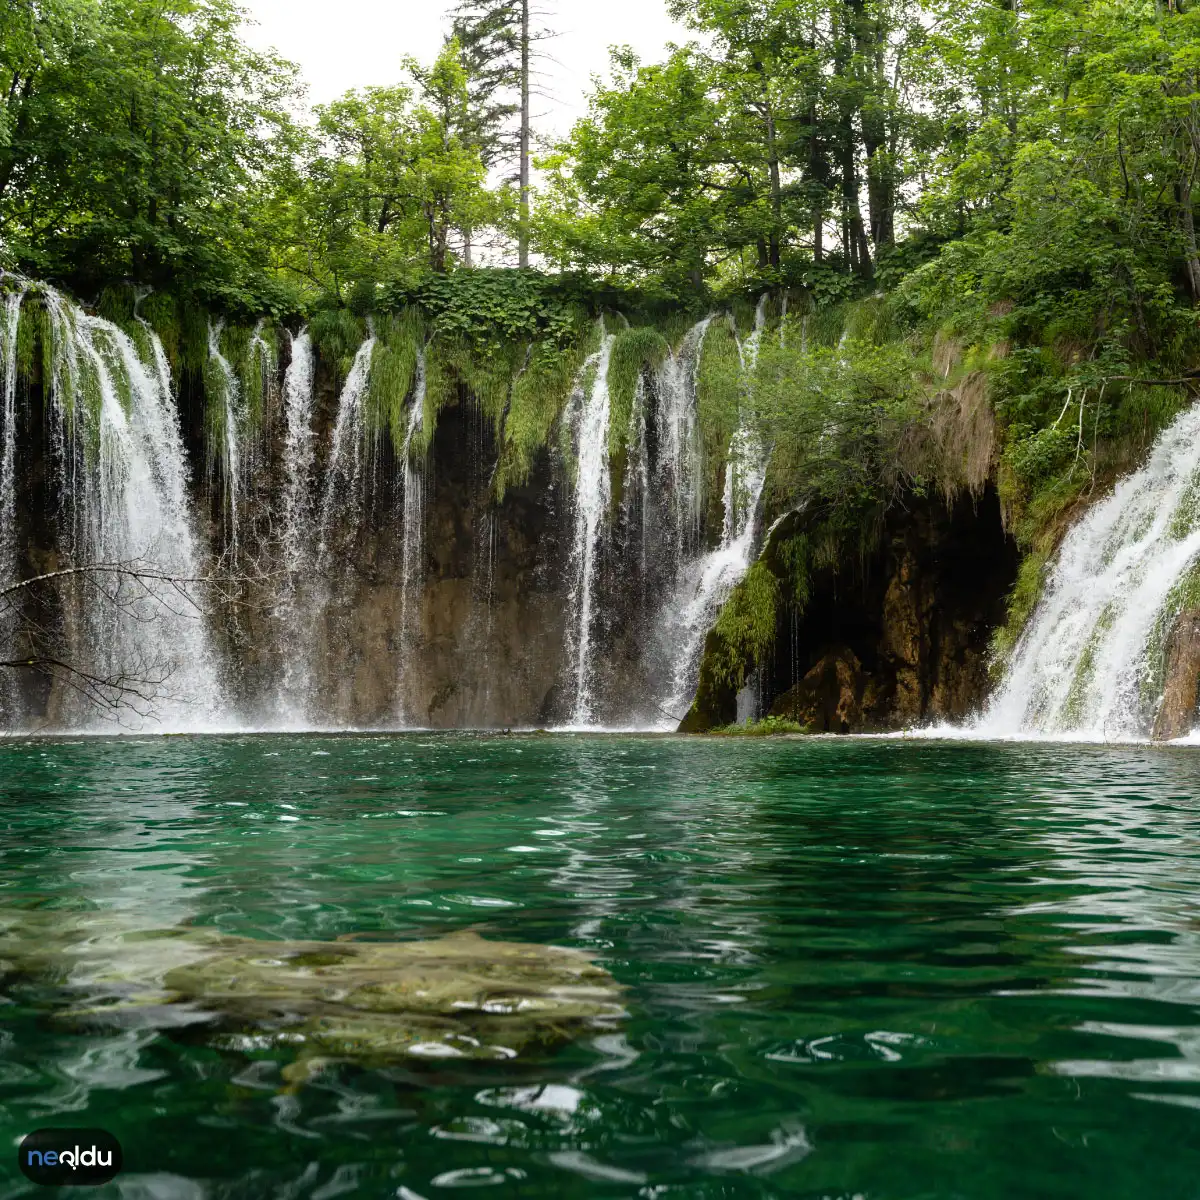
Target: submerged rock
{"x": 458, "y": 996}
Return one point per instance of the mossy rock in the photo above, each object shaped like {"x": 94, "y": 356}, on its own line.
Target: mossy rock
{"x": 460, "y": 996}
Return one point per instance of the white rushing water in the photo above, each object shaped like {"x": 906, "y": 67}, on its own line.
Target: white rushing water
{"x": 680, "y": 459}
{"x": 343, "y": 475}
{"x": 1088, "y": 663}
{"x": 412, "y": 573}
{"x": 230, "y": 457}
{"x": 704, "y": 583}
{"x": 124, "y": 477}
{"x": 10, "y": 316}
{"x": 298, "y": 531}
{"x": 588, "y": 416}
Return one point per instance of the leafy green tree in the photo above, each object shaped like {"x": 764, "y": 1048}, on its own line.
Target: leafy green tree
{"x": 137, "y": 137}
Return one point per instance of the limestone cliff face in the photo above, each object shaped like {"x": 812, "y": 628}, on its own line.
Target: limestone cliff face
{"x": 895, "y": 639}
{"x": 1181, "y": 695}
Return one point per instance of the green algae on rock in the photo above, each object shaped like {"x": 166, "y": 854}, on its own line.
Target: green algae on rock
{"x": 459, "y": 996}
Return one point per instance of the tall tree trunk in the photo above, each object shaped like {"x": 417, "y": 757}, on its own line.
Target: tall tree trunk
{"x": 773, "y": 176}
{"x": 523, "y": 235}
{"x": 1187, "y": 224}
{"x": 816, "y": 184}
{"x": 858, "y": 248}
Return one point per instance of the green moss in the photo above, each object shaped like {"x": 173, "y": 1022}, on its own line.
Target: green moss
{"x": 719, "y": 390}
{"x": 488, "y": 376}
{"x": 161, "y": 312}
{"x": 825, "y": 326}
{"x": 795, "y": 561}
{"x": 35, "y": 343}
{"x": 399, "y": 339}
{"x": 767, "y": 727}
{"x": 1183, "y": 596}
{"x": 745, "y": 627}
{"x": 539, "y": 394}
{"x": 117, "y": 303}
{"x": 872, "y": 321}
{"x": 444, "y": 363}
{"x": 1022, "y": 600}
{"x": 634, "y": 351}
{"x": 108, "y": 349}
{"x": 1074, "y": 706}
{"x": 336, "y": 335}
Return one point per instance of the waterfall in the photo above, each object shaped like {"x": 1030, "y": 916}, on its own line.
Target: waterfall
{"x": 679, "y": 457}
{"x": 231, "y": 421}
{"x": 412, "y": 574}
{"x": 588, "y": 416}
{"x": 298, "y": 453}
{"x": 1089, "y": 660}
{"x": 703, "y": 584}
{"x": 123, "y": 478}
{"x": 9, "y": 319}
{"x": 298, "y": 534}
{"x": 343, "y": 474}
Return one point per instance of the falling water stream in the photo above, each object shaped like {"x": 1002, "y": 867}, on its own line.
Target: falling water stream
{"x": 588, "y": 417}
{"x": 412, "y": 575}
{"x": 1089, "y": 665}
{"x": 298, "y": 534}
{"x": 703, "y": 583}
{"x": 1089, "y": 662}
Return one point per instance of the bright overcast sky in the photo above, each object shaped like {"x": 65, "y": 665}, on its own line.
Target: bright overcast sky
{"x": 341, "y": 44}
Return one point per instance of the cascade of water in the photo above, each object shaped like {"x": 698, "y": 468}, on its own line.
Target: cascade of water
{"x": 678, "y": 468}
{"x": 123, "y": 478}
{"x": 9, "y": 318}
{"x": 231, "y": 451}
{"x": 299, "y": 537}
{"x": 412, "y": 576}
{"x": 298, "y": 452}
{"x": 704, "y": 584}
{"x": 588, "y": 415}
{"x": 343, "y": 475}
{"x": 1089, "y": 660}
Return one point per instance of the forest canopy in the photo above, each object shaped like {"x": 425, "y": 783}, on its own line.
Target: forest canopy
{"x": 1010, "y": 149}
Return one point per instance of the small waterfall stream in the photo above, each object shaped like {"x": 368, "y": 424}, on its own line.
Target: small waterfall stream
{"x": 704, "y": 583}
{"x": 588, "y": 417}
{"x": 412, "y": 574}
{"x": 298, "y": 533}
{"x": 231, "y": 429}
{"x": 679, "y": 453}
{"x": 9, "y": 318}
{"x": 1089, "y": 662}
{"x": 344, "y": 472}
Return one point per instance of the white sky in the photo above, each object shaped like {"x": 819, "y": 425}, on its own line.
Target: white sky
{"x": 341, "y": 44}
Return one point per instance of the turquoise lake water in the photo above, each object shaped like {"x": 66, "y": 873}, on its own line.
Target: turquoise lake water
{"x": 852, "y": 968}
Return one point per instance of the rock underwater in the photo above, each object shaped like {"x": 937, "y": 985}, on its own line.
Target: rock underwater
{"x": 459, "y": 996}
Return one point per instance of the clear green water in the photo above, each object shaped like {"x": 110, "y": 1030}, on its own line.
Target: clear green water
{"x": 854, "y": 969}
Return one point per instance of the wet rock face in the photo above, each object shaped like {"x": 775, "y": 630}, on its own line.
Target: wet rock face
{"x": 894, "y": 639}
{"x": 829, "y": 698}
{"x": 1177, "y": 714}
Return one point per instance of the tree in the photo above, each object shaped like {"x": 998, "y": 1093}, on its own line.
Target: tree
{"x": 498, "y": 40}
{"x": 391, "y": 173}
{"x": 138, "y": 135}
